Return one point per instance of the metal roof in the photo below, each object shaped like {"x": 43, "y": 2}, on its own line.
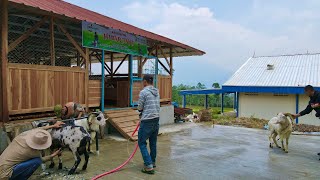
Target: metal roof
{"x": 72, "y": 11}
{"x": 278, "y": 71}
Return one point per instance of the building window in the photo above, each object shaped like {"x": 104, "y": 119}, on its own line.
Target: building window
{"x": 280, "y": 94}
{"x": 251, "y": 94}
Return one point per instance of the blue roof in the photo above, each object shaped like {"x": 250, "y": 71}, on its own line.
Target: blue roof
{"x": 202, "y": 91}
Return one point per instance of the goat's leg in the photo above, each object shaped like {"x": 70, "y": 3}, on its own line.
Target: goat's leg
{"x": 60, "y": 162}
{"x": 52, "y": 161}
{"x": 283, "y": 147}
{"x": 43, "y": 165}
{"x": 270, "y": 140}
{"x": 287, "y": 143}
{"x": 76, "y": 163}
{"x": 86, "y": 156}
{"x": 274, "y": 139}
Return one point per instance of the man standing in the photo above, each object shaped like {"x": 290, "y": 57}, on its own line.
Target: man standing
{"x": 23, "y": 155}
{"x": 149, "y": 105}
{"x": 314, "y": 103}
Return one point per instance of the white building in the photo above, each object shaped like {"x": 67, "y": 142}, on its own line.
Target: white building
{"x": 270, "y": 84}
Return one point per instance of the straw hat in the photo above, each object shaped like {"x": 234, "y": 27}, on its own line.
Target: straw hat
{"x": 39, "y": 139}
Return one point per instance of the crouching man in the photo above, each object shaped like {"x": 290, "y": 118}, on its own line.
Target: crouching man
{"x": 149, "y": 105}
{"x": 23, "y": 155}
{"x": 70, "y": 110}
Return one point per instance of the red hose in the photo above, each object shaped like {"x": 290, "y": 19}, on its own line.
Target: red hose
{"x": 122, "y": 165}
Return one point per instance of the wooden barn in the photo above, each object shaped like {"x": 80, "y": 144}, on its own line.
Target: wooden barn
{"x": 46, "y": 59}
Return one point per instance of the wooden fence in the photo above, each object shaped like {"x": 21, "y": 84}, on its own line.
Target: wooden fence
{"x": 94, "y": 93}
{"x": 38, "y": 88}
{"x": 165, "y": 88}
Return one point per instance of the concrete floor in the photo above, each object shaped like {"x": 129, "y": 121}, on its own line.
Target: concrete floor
{"x": 203, "y": 152}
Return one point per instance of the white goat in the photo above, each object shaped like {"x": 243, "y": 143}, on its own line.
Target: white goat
{"x": 92, "y": 125}
{"x": 282, "y": 126}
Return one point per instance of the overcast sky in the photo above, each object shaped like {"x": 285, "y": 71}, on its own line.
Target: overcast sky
{"x": 229, "y": 31}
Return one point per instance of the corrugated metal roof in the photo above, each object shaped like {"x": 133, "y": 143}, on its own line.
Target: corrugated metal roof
{"x": 70, "y": 10}
{"x": 288, "y": 70}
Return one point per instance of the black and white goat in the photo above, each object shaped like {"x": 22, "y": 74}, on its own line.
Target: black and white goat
{"x": 92, "y": 125}
{"x": 76, "y": 138}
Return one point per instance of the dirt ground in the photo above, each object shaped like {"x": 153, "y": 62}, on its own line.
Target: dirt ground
{"x": 202, "y": 152}
{"x": 260, "y": 123}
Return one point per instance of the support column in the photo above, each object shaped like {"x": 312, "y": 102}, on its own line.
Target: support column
{"x": 102, "y": 81}
{"x": 234, "y": 101}
{"x": 111, "y": 64}
{"x": 140, "y": 67}
{"x": 184, "y": 101}
{"x": 171, "y": 63}
{"x": 206, "y": 101}
{"x": 222, "y": 103}
{"x": 130, "y": 79}
{"x": 297, "y": 107}
{"x": 156, "y": 69}
{"x": 238, "y": 96}
{"x": 4, "y": 61}
{"x": 87, "y": 58}
{"x": 52, "y": 49}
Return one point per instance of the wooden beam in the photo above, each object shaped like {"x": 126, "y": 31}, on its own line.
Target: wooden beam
{"x": 4, "y": 61}
{"x": 171, "y": 62}
{"x": 87, "y": 79}
{"x": 52, "y": 50}
{"x": 106, "y": 67}
{"x": 150, "y": 52}
{"x": 164, "y": 66}
{"x": 74, "y": 42}
{"x": 164, "y": 56}
{"x": 120, "y": 64}
{"x": 15, "y": 43}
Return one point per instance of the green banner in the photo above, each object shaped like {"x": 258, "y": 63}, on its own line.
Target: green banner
{"x": 99, "y": 37}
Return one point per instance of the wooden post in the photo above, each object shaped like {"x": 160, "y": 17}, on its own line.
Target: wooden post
{"x": 87, "y": 57}
{"x": 4, "y": 61}
{"x": 111, "y": 62}
{"x": 52, "y": 50}
{"x": 171, "y": 63}
{"x": 140, "y": 67}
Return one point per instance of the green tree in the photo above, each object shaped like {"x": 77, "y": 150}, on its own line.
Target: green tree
{"x": 216, "y": 85}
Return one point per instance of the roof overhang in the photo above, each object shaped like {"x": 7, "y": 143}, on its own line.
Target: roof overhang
{"x": 71, "y": 12}
{"x": 267, "y": 89}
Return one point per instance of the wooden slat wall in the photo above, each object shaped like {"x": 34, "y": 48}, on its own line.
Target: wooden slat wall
{"x": 165, "y": 88}
{"x": 122, "y": 93}
{"x": 94, "y": 93}
{"x": 137, "y": 87}
{"x": 38, "y": 88}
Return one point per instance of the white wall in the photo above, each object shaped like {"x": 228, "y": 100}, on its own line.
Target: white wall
{"x": 166, "y": 115}
{"x": 266, "y": 106}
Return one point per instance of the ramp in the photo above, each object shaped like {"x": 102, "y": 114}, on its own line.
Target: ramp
{"x": 125, "y": 121}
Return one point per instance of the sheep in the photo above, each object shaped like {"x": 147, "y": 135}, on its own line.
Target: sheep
{"x": 282, "y": 126}
{"x": 92, "y": 125}
{"x": 76, "y": 138}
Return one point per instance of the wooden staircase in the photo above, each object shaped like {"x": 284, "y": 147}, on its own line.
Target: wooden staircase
{"x": 125, "y": 121}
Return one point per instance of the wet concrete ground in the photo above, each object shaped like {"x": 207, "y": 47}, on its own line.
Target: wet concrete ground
{"x": 203, "y": 152}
